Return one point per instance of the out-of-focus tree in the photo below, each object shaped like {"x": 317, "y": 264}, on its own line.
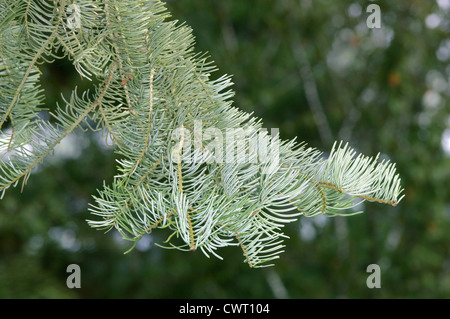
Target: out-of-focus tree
{"x": 315, "y": 70}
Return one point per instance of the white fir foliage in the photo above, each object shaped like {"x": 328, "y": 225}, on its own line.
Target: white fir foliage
{"x": 153, "y": 93}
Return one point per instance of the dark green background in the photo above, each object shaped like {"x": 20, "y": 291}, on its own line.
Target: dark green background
{"x": 314, "y": 70}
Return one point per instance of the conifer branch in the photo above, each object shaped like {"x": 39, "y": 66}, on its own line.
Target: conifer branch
{"x": 72, "y": 127}
{"x": 153, "y": 92}
{"x": 32, "y": 64}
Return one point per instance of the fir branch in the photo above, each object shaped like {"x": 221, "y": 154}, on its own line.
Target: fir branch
{"x": 73, "y": 126}
{"x": 37, "y": 55}
{"x": 153, "y": 88}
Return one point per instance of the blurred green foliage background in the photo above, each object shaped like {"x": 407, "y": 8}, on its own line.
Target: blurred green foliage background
{"x": 316, "y": 71}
